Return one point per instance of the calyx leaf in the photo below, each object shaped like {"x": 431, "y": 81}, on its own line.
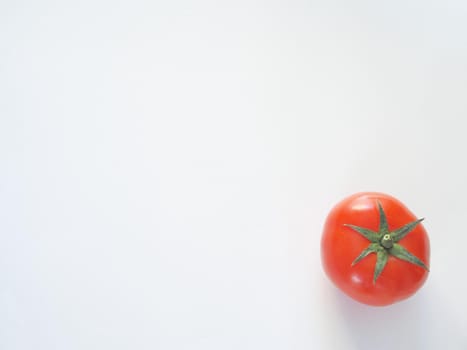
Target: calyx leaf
{"x": 372, "y": 236}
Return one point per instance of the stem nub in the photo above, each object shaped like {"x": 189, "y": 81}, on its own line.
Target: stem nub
{"x": 387, "y": 241}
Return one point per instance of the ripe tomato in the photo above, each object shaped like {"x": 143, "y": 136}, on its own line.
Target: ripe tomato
{"x": 374, "y": 249}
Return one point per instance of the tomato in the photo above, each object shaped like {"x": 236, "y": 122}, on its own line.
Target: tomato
{"x": 374, "y": 249}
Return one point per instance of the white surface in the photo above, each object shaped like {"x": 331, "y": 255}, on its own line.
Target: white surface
{"x": 166, "y": 168}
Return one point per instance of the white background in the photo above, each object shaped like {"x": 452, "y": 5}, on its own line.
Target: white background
{"x": 166, "y": 168}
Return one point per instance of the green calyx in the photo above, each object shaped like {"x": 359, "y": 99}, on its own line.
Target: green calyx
{"x": 385, "y": 243}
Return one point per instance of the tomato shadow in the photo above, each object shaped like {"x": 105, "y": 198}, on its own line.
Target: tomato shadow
{"x": 421, "y": 322}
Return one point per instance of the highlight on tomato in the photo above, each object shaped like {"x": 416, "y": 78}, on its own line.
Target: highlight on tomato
{"x": 374, "y": 249}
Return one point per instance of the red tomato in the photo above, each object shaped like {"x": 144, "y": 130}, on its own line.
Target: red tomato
{"x": 374, "y": 249}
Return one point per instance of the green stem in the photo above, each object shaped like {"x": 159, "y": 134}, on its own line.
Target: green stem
{"x": 387, "y": 241}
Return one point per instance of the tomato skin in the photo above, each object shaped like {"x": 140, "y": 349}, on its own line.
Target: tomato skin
{"x": 340, "y": 245}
